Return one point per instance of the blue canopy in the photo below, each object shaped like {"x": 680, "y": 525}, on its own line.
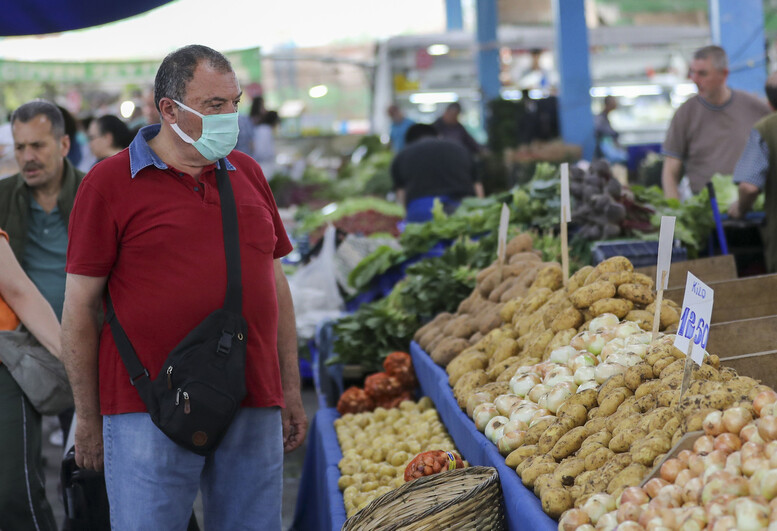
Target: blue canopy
{"x": 37, "y": 17}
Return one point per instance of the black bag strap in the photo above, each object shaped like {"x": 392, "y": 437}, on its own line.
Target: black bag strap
{"x": 139, "y": 376}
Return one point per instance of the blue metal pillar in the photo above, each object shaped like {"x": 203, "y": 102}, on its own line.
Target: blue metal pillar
{"x": 737, "y": 26}
{"x": 574, "y": 100}
{"x": 488, "y": 54}
{"x": 454, "y": 15}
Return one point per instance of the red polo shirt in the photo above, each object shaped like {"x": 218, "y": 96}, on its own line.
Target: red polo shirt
{"x": 158, "y": 237}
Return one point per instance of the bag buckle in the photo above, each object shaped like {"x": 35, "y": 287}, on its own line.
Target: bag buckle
{"x": 225, "y": 343}
{"x": 138, "y": 377}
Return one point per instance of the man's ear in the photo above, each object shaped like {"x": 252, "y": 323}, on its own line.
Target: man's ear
{"x": 64, "y": 145}
{"x": 167, "y": 110}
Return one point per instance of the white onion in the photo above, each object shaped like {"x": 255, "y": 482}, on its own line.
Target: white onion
{"x": 605, "y": 370}
{"x": 750, "y": 515}
{"x": 607, "y": 522}
{"x": 582, "y": 359}
{"x": 495, "y": 428}
{"x": 713, "y": 423}
{"x": 557, "y": 397}
{"x": 561, "y": 378}
{"x": 605, "y": 320}
{"x": 483, "y": 413}
{"x": 596, "y": 344}
{"x": 598, "y": 505}
{"x": 735, "y": 418}
{"x": 585, "y": 374}
{"x": 592, "y": 384}
{"x": 510, "y": 440}
{"x": 543, "y": 401}
{"x": 612, "y": 346}
{"x": 562, "y": 354}
{"x": 537, "y": 391}
{"x": 573, "y": 519}
{"x": 627, "y": 329}
{"x": 521, "y": 386}
{"x": 523, "y": 413}
{"x": 505, "y": 403}
{"x": 637, "y": 350}
{"x": 580, "y": 340}
{"x": 642, "y": 338}
{"x": 553, "y": 377}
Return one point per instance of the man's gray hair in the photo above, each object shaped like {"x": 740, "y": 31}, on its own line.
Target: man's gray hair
{"x": 34, "y": 108}
{"x": 177, "y": 69}
{"x": 716, "y": 54}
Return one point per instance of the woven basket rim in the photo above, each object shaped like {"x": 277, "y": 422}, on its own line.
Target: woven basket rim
{"x": 491, "y": 477}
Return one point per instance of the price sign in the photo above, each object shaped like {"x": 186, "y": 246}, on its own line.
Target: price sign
{"x": 694, "y": 329}
{"x": 504, "y": 221}
{"x": 566, "y": 210}
{"x": 566, "y": 217}
{"x": 665, "y": 239}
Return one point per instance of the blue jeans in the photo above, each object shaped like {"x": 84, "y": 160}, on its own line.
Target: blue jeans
{"x": 152, "y": 482}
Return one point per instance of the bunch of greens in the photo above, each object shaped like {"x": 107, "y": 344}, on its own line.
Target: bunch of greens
{"x": 431, "y": 286}
{"x": 310, "y": 220}
{"x": 693, "y": 222}
{"x": 534, "y": 205}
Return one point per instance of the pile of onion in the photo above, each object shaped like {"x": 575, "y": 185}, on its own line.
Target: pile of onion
{"x": 727, "y": 481}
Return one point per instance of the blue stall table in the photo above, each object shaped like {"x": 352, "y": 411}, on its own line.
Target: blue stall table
{"x": 320, "y": 505}
{"x": 523, "y": 509}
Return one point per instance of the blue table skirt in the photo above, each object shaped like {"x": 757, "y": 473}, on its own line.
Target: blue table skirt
{"x": 320, "y": 503}
{"x": 522, "y": 508}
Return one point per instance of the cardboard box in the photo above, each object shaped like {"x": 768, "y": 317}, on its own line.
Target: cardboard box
{"x": 737, "y": 299}
{"x": 712, "y": 269}
{"x": 746, "y": 336}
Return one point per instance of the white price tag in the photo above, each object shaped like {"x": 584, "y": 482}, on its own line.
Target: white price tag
{"x": 695, "y": 318}
{"x": 504, "y": 221}
{"x": 566, "y": 209}
{"x": 665, "y": 239}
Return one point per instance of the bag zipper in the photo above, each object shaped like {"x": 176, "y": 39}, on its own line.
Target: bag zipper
{"x": 170, "y": 377}
{"x": 178, "y": 396}
{"x": 186, "y": 406}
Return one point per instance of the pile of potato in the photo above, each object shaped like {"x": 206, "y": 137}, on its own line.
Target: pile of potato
{"x": 377, "y": 446}
{"x": 601, "y": 439}
{"x": 448, "y": 334}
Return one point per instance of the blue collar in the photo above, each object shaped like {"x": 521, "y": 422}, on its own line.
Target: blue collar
{"x": 142, "y": 156}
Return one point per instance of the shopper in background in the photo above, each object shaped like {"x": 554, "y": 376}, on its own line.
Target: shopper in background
{"x": 448, "y": 126}
{"x": 107, "y": 135}
{"x": 607, "y": 144}
{"x": 430, "y": 168}
{"x": 35, "y": 203}
{"x": 399, "y": 126}
{"x": 76, "y": 152}
{"x": 756, "y": 172}
{"x": 709, "y": 131}
{"x": 23, "y": 503}
{"x": 147, "y": 225}
{"x": 264, "y": 142}
{"x": 150, "y": 112}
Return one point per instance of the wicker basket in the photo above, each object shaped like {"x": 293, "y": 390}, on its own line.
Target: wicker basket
{"x": 466, "y": 498}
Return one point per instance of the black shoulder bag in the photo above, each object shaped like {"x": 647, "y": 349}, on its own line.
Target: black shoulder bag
{"x": 198, "y": 391}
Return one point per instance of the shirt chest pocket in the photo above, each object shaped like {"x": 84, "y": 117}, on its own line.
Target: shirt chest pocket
{"x": 257, "y": 229}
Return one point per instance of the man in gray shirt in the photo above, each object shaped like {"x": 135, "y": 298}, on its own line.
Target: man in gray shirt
{"x": 709, "y": 131}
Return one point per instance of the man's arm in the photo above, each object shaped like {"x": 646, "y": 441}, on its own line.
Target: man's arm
{"x": 25, "y": 300}
{"x": 748, "y": 193}
{"x": 479, "y": 191}
{"x": 750, "y": 174}
{"x": 80, "y": 341}
{"x": 670, "y": 176}
{"x": 295, "y": 423}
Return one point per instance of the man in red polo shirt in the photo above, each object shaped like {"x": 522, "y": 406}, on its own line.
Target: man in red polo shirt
{"x": 147, "y": 224}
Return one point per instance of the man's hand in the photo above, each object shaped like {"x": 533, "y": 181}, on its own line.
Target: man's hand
{"x": 295, "y": 423}
{"x": 733, "y": 210}
{"x": 89, "y": 443}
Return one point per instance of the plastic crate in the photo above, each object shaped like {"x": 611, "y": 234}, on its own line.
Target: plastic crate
{"x": 640, "y": 253}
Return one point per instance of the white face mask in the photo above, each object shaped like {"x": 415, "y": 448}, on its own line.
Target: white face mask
{"x": 219, "y": 134}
